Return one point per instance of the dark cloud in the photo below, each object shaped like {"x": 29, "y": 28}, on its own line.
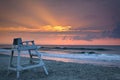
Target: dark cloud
{"x": 87, "y": 36}
{"x": 108, "y": 33}
{"x": 95, "y": 32}
{"x": 114, "y": 33}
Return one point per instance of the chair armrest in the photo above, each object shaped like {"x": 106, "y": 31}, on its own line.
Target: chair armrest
{"x": 29, "y": 42}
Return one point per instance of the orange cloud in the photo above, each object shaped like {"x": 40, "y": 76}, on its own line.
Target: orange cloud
{"x": 46, "y": 28}
{"x": 50, "y": 28}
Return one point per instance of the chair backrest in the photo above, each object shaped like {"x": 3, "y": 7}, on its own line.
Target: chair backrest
{"x": 18, "y": 44}
{"x": 17, "y": 41}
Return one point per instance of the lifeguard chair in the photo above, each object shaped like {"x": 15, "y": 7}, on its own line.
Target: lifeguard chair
{"x": 29, "y": 46}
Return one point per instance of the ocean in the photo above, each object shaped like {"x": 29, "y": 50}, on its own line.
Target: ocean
{"x": 105, "y": 55}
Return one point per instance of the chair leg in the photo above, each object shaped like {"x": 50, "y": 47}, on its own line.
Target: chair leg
{"x": 18, "y": 74}
{"x": 11, "y": 58}
{"x": 8, "y": 72}
{"x": 10, "y": 62}
{"x": 41, "y": 61}
{"x": 46, "y": 72}
{"x": 31, "y": 61}
{"x": 18, "y": 64}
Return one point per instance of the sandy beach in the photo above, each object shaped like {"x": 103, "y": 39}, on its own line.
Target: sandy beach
{"x": 60, "y": 71}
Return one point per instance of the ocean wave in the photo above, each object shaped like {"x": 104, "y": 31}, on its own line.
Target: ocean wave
{"x": 76, "y": 48}
{"x": 105, "y": 57}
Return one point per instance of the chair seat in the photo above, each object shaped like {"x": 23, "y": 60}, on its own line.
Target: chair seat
{"x": 26, "y": 47}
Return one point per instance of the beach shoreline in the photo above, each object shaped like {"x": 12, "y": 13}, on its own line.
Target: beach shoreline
{"x": 60, "y": 71}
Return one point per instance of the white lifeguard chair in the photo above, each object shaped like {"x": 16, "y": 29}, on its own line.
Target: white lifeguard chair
{"x": 29, "y": 46}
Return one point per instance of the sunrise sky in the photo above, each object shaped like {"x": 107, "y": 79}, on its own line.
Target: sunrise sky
{"x": 61, "y": 22}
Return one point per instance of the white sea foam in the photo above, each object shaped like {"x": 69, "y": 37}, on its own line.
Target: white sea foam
{"x": 105, "y": 57}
